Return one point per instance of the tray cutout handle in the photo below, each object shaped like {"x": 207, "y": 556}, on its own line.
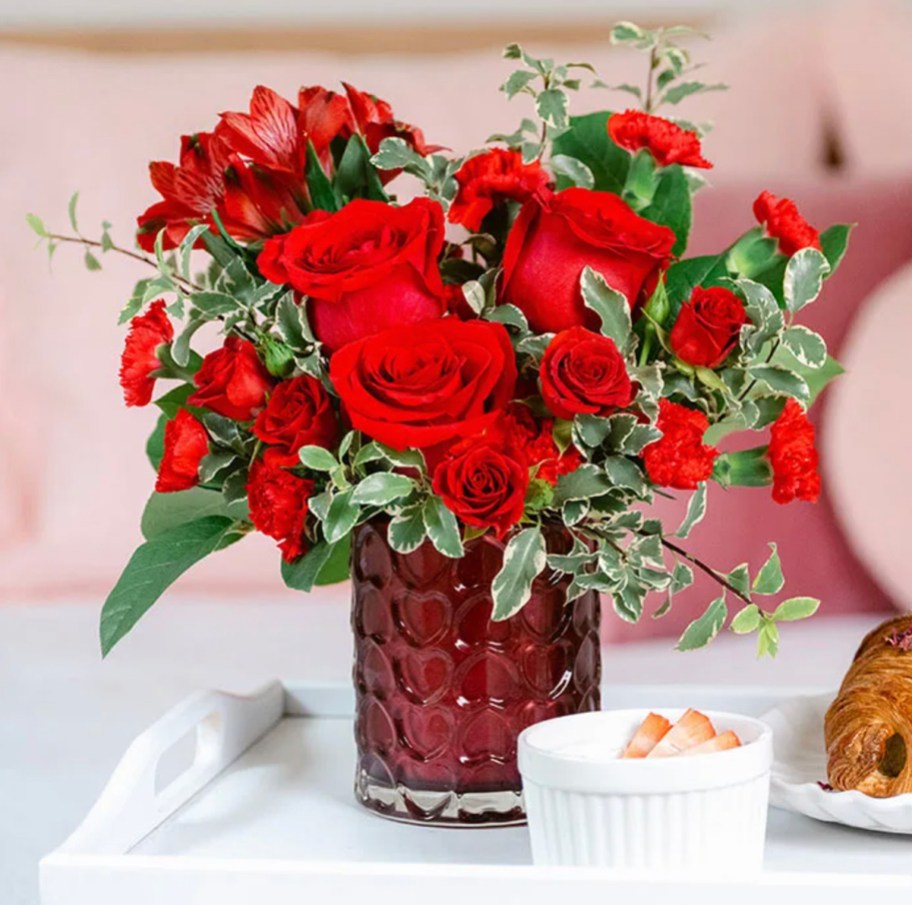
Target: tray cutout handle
{"x": 170, "y": 762}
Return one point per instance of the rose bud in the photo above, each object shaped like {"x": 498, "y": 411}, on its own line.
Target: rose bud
{"x": 232, "y": 381}
{"x": 707, "y": 327}
{"x": 584, "y": 373}
{"x": 556, "y": 236}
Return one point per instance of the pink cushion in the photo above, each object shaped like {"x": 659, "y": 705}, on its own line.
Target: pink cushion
{"x": 73, "y": 477}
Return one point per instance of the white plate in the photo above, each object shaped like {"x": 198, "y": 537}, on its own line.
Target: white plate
{"x": 799, "y": 765}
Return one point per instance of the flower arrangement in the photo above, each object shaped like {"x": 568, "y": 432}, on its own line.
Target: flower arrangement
{"x": 524, "y": 343}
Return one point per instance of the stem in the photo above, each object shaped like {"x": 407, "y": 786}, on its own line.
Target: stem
{"x": 705, "y": 568}
{"x": 652, "y": 65}
{"x": 135, "y": 255}
{"x": 753, "y": 383}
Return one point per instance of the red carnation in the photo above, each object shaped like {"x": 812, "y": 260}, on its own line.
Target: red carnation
{"x": 491, "y": 178}
{"x": 483, "y": 484}
{"x": 186, "y": 442}
{"x": 707, "y": 327}
{"x": 555, "y": 237}
{"x": 783, "y": 222}
{"x": 299, "y": 413}
{"x": 421, "y": 385}
{"x": 232, "y": 381}
{"x": 679, "y": 458}
{"x": 793, "y": 456}
{"x": 366, "y": 268}
{"x": 666, "y": 141}
{"x": 278, "y": 502}
{"x": 533, "y": 441}
{"x": 139, "y": 359}
{"x": 584, "y": 373}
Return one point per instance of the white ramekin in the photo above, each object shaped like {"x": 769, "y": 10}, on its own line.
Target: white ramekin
{"x": 587, "y": 806}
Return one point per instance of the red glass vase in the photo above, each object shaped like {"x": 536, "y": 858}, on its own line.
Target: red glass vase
{"x": 443, "y": 692}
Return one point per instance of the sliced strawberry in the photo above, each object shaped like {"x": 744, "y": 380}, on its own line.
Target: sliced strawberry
{"x": 692, "y": 729}
{"x": 721, "y": 742}
{"x": 650, "y": 733}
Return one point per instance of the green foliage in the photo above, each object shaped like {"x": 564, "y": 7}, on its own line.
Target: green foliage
{"x": 610, "y": 305}
{"x": 523, "y": 560}
{"x": 702, "y": 630}
{"x": 587, "y": 141}
{"x": 671, "y": 205}
{"x": 156, "y": 565}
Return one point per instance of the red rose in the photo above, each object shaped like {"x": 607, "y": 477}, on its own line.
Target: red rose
{"x": 483, "y": 484}
{"x": 533, "y": 441}
{"x": 679, "y": 459}
{"x": 186, "y": 442}
{"x": 299, "y": 413}
{"x": 783, "y": 222}
{"x": 139, "y": 359}
{"x": 707, "y": 327}
{"x": 232, "y": 381}
{"x": 278, "y": 502}
{"x": 491, "y": 178}
{"x": 554, "y": 238}
{"x": 420, "y": 385}
{"x": 584, "y": 373}
{"x": 366, "y": 268}
{"x": 666, "y": 141}
{"x": 793, "y": 456}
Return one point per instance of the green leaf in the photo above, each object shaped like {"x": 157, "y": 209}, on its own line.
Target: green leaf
{"x": 751, "y": 254}
{"x": 583, "y": 483}
{"x": 291, "y": 322}
{"x": 90, "y": 261}
{"x": 627, "y": 33}
{"x": 796, "y": 608}
{"x": 624, "y": 472}
{"x": 71, "y": 211}
{"x": 696, "y": 509}
{"x": 442, "y": 528}
{"x": 323, "y": 563}
{"x": 525, "y": 557}
{"x": 518, "y": 81}
{"x": 155, "y": 445}
{"x": 509, "y": 316}
{"x": 37, "y": 225}
{"x": 317, "y": 458}
{"x": 166, "y": 511}
{"x": 815, "y": 378}
{"x": 355, "y": 175}
{"x": 609, "y": 304}
{"x": 319, "y": 187}
{"x": 834, "y": 242}
{"x": 382, "y": 488}
{"x": 768, "y": 639}
{"x": 739, "y": 579}
{"x": 574, "y": 170}
{"x": 341, "y": 517}
{"x": 781, "y": 382}
{"x": 702, "y": 630}
{"x": 677, "y": 93}
{"x": 804, "y": 275}
{"x": 747, "y": 620}
{"x": 683, "y": 276}
{"x": 551, "y": 105}
{"x": 808, "y": 347}
{"x": 587, "y": 140}
{"x": 406, "y": 530}
{"x": 154, "y": 566}
{"x": 671, "y": 205}
{"x": 769, "y": 580}
{"x": 681, "y": 578}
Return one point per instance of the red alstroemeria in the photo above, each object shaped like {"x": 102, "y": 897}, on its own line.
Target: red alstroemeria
{"x": 324, "y": 115}
{"x": 270, "y": 135}
{"x": 374, "y": 119}
{"x": 147, "y": 332}
{"x": 491, "y": 178}
{"x": 679, "y": 458}
{"x": 190, "y": 190}
{"x": 793, "y": 456}
{"x": 783, "y": 222}
{"x": 185, "y": 444}
{"x": 666, "y": 141}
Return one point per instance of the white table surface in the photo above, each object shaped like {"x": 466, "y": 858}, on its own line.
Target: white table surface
{"x": 66, "y": 717}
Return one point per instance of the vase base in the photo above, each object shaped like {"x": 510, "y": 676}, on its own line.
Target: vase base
{"x": 436, "y": 808}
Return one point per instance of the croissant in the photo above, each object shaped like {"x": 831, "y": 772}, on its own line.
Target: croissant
{"x": 868, "y": 727}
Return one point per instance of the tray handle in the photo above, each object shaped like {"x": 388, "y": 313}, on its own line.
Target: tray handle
{"x": 219, "y": 727}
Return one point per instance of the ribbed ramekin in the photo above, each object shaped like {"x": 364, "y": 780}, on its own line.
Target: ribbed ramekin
{"x": 587, "y": 806}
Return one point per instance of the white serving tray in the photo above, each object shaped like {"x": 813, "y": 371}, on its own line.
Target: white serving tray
{"x": 248, "y": 801}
